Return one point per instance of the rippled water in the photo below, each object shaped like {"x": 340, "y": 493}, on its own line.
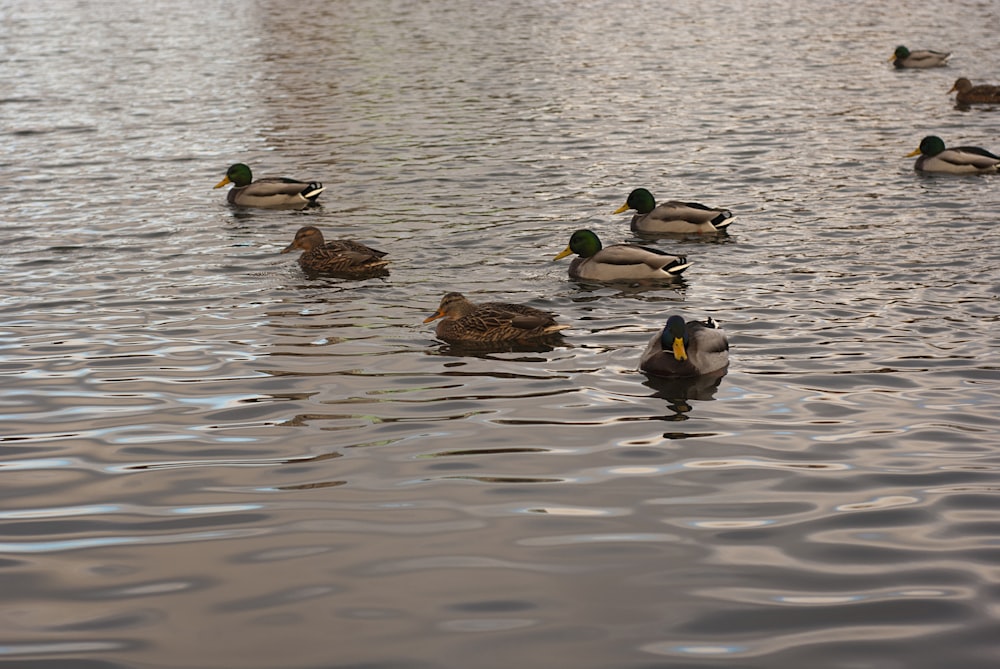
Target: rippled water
{"x": 211, "y": 460}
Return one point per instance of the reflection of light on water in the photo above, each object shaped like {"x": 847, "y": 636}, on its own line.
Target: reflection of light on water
{"x": 486, "y": 625}
{"x": 693, "y": 649}
{"x": 766, "y": 464}
{"x": 730, "y": 524}
{"x": 886, "y": 502}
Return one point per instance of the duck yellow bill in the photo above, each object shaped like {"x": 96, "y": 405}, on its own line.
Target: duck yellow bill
{"x": 433, "y": 317}
{"x": 222, "y": 183}
{"x": 622, "y": 208}
{"x": 567, "y": 251}
{"x": 913, "y": 153}
{"x": 679, "y": 352}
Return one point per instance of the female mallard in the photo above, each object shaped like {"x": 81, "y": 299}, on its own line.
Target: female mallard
{"x": 342, "y": 258}
{"x": 619, "y": 262}
{"x": 673, "y": 216}
{"x": 903, "y": 57}
{"x": 269, "y": 192}
{"x": 969, "y": 94}
{"x": 491, "y": 323}
{"x": 689, "y": 348}
{"x": 956, "y": 160}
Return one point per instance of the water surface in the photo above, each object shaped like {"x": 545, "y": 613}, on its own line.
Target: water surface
{"x": 212, "y": 460}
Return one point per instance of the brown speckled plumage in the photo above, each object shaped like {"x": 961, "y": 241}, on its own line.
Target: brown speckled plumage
{"x": 343, "y": 258}
{"x": 491, "y": 323}
{"x": 968, "y": 94}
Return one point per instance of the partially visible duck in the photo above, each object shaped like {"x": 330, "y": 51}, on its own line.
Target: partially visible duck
{"x": 934, "y": 157}
{"x": 268, "y": 192}
{"x": 673, "y": 216}
{"x": 903, "y": 57}
{"x": 491, "y": 324}
{"x": 343, "y": 258}
{"x": 619, "y": 262}
{"x": 686, "y": 348}
{"x": 968, "y": 94}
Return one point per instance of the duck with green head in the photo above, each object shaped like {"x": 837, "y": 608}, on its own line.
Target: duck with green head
{"x": 342, "y": 258}
{"x": 685, "y": 349}
{"x": 268, "y": 192}
{"x": 619, "y": 262}
{"x": 904, "y": 58}
{"x": 492, "y": 324}
{"x": 673, "y": 216}
{"x": 936, "y": 158}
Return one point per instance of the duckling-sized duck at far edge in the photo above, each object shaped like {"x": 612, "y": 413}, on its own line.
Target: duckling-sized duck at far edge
{"x": 968, "y": 94}
{"x": 673, "y": 216}
{"x": 268, "y": 192}
{"x": 343, "y": 258}
{"x": 492, "y": 324}
{"x": 619, "y": 262}
{"x": 685, "y": 349}
{"x": 903, "y": 57}
{"x": 936, "y": 158}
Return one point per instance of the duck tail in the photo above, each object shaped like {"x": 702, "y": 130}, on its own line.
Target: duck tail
{"x": 312, "y": 191}
{"x": 723, "y": 220}
{"x": 677, "y": 267}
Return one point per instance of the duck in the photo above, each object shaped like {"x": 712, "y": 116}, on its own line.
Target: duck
{"x": 685, "y": 349}
{"x": 344, "y": 258}
{"x": 491, "y": 324}
{"x": 268, "y": 192}
{"x": 969, "y": 94}
{"x": 619, "y": 262}
{"x": 673, "y": 216}
{"x": 903, "y": 57}
{"x": 934, "y": 157}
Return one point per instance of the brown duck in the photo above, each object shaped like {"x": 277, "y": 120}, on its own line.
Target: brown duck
{"x": 491, "y": 323}
{"x": 342, "y": 258}
{"x": 968, "y": 94}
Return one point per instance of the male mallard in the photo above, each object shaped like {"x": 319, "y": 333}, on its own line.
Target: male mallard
{"x": 491, "y": 323}
{"x": 903, "y": 57}
{"x": 673, "y": 216}
{"x": 956, "y": 160}
{"x": 619, "y": 262}
{"x": 969, "y": 94}
{"x": 689, "y": 348}
{"x": 269, "y": 192}
{"x": 342, "y": 258}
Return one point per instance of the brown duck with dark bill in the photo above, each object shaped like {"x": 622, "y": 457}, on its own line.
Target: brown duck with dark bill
{"x": 491, "y": 323}
{"x": 344, "y": 258}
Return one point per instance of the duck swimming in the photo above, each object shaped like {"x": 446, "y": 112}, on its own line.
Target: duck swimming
{"x": 673, "y": 216}
{"x": 490, "y": 324}
{"x": 935, "y": 158}
{"x": 268, "y": 192}
{"x": 685, "y": 349}
{"x": 903, "y": 57}
{"x": 619, "y": 262}
{"x": 968, "y": 94}
{"x": 343, "y": 258}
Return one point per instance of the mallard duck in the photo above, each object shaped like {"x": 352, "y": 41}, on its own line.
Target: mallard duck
{"x": 619, "y": 262}
{"x": 969, "y": 94}
{"x": 903, "y": 57}
{"x": 690, "y": 348}
{"x": 491, "y": 323}
{"x": 956, "y": 160}
{"x": 268, "y": 192}
{"x": 673, "y": 216}
{"x": 343, "y": 258}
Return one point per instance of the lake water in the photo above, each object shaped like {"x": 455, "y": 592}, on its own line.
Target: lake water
{"x": 209, "y": 460}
